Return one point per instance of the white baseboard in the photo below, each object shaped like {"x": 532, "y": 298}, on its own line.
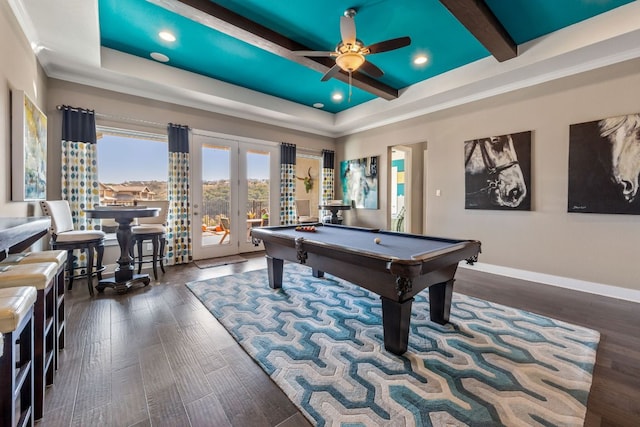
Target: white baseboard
{"x": 562, "y": 282}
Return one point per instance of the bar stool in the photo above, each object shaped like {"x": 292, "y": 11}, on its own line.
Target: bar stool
{"x": 153, "y": 229}
{"x": 303, "y": 211}
{"x": 42, "y": 277}
{"x": 16, "y": 356}
{"x": 60, "y": 258}
{"x": 64, "y": 237}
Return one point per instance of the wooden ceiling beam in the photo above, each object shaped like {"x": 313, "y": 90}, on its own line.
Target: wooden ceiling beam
{"x": 228, "y": 22}
{"x": 476, "y": 16}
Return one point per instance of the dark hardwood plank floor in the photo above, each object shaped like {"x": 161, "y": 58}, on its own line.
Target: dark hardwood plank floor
{"x": 156, "y": 357}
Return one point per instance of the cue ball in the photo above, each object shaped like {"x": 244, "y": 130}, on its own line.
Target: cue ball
{"x": 377, "y": 240}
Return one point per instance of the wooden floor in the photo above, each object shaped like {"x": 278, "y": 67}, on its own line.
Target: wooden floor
{"x": 156, "y": 356}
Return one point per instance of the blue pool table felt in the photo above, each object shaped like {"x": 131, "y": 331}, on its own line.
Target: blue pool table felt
{"x": 393, "y": 246}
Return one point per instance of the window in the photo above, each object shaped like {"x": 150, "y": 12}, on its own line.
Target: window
{"x": 132, "y": 166}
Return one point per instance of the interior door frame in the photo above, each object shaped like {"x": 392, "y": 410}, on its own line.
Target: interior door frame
{"x": 238, "y": 147}
{"x": 408, "y": 185}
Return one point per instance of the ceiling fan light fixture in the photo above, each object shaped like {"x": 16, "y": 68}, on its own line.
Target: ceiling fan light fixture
{"x": 350, "y": 61}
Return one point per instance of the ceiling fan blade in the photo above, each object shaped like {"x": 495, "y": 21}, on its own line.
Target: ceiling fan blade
{"x": 332, "y": 72}
{"x": 371, "y": 69}
{"x": 388, "y": 45}
{"x": 313, "y": 53}
{"x": 348, "y": 30}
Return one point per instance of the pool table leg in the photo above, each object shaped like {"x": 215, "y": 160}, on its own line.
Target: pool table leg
{"x": 396, "y": 317}
{"x": 274, "y": 269}
{"x": 440, "y": 301}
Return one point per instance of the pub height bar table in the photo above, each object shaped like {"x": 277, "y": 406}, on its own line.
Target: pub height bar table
{"x": 334, "y": 208}
{"x": 124, "y": 277}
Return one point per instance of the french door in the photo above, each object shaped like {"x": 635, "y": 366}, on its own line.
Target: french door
{"x": 235, "y": 186}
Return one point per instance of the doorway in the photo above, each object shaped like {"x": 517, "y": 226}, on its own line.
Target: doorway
{"x": 400, "y": 203}
{"x": 234, "y": 188}
{"x": 309, "y": 181}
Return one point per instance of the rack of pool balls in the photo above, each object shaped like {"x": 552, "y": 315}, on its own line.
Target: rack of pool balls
{"x": 308, "y": 228}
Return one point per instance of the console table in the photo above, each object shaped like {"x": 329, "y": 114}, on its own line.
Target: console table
{"x": 17, "y": 234}
{"x": 334, "y": 211}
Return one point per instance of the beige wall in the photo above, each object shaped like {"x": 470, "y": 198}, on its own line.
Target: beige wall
{"x": 302, "y": 167}
{"x": 590, "y": 247}
{"x": 19, "y": 70}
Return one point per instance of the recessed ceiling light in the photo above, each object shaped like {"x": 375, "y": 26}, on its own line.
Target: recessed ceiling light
{"x": 159, "y": 57}
{"x": 420, "y": 60}
{"x": 318, "y": 105}
{"x": 167, "y": 36}
{"x": 337, "y": 96}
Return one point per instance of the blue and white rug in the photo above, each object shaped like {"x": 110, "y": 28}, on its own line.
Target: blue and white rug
{"x": 321, "y": 341}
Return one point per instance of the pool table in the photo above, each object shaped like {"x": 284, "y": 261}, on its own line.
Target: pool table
{"x": 397, "y": 268}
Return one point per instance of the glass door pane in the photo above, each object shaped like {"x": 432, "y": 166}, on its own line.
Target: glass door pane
{"x": 234, "y": 188}
{"x": 255, "y": 190}
{"x": 214, "y": 197}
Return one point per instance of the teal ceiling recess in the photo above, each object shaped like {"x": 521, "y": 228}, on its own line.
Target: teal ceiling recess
{"x": 132, "y": 27}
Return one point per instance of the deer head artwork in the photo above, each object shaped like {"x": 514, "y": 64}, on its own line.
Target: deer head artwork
{"x": 308, "y": 181}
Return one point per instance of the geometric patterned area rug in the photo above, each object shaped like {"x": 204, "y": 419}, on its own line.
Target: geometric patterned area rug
{"x": 320, "y": 340}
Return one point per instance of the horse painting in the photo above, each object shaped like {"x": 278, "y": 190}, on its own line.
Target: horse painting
{"x": 604, "y": 166}
{"x": 494, "y": 178}
{"x": 624, "y": 134}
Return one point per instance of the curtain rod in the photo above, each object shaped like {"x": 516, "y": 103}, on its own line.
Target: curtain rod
{"x": 117, "y": 118}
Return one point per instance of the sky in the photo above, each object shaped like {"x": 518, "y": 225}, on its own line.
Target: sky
{"x": 129, "y": 159}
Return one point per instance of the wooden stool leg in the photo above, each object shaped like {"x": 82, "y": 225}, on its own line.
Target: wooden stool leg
{"x": 7, "y": 381}
{"x": 26, "y": 363}
{"x": 60, "y": 312}
{"x": 154, "y": 259}
{"x": 163, "y": 242}
{"x": 70, "y": 268}
{"x": 39, "y": 354}
{"x": 139, "y": 245}
{"x": 50, "y": 338}
{"x": 16, "y": 371}
{"x": 90, "y": 269}
{"x": 99, "y": 266}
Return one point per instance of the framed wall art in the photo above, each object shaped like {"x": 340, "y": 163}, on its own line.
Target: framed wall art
{"x": 359, "y": 180}
{"x": 498, "y": 172}
{"x": 604, "y": 164}
{"x": 28, "y": 149}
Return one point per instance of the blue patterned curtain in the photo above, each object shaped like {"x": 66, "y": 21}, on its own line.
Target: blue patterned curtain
{"x": 80, "y": 168}
{"x": 179, "y": 218}
{"x": 287, "y": 183}
{"x": 328, "y": 160}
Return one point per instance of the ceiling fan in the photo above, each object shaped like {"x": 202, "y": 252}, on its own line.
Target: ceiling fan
{"x": 350, "y": 53}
